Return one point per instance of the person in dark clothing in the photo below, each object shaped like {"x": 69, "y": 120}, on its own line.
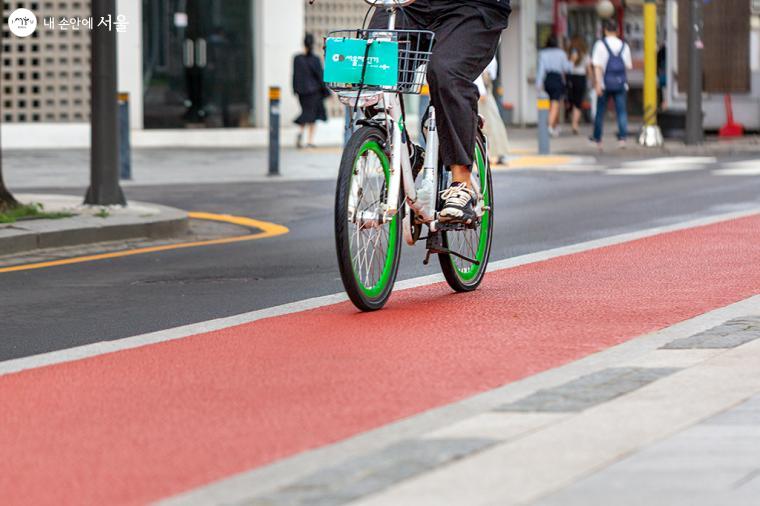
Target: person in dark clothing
{"x": 308, "y": 85}
{"x": 467, "y": 37}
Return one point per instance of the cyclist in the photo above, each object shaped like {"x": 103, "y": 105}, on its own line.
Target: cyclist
{"x": 467, "y": 37}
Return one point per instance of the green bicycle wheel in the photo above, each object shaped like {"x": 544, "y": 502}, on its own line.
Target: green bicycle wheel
{"x": 368, "y": 251}
{"x": 475, "y": 243}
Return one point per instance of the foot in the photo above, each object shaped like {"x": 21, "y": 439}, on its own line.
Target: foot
{"x": 554, "y": 132}
{"x": 595, "y": 143}
{"x": 459, "y": 205}
{"x": 622, "y": 144}
{"x": 299, "y": 141}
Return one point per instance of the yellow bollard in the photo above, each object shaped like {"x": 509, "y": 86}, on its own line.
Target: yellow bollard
{"x": 650, "y": 133}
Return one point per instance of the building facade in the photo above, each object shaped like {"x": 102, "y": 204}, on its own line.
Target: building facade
{"x": 731, "y": 60}
{"x": 197, "y": 71}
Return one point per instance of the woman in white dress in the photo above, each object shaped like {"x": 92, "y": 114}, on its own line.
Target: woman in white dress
{"x": 498, "y": 141}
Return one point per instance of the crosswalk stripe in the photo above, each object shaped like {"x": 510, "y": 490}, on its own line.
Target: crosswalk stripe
{"x": 664, "y": 165}
{"x": 743, "y": 168}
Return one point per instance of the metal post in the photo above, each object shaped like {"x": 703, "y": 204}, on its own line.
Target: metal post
{"x": 694, "y": 129}
{"x": 125, "y": 148}
{"x": 275, "y": 95}
{"x": 544, "y": 144}
{"x": 651, "y": 135}
{"x": 104, "y": 138}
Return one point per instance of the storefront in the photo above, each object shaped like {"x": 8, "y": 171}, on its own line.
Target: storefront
{"x": 198, "y": 64}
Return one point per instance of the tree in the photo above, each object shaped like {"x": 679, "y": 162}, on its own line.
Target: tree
{"x": 6, "y": 199}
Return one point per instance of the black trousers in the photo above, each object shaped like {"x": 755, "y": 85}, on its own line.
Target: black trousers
{"x": 467, "y": 37}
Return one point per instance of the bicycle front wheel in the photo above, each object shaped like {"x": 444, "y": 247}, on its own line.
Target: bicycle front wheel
{"x": 474, "y": 243}
{"x": 368, "y": 249}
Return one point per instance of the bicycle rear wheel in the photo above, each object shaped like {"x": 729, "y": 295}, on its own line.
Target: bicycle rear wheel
{"x": 368, "y": 250}
{"x": 475, "y": 243}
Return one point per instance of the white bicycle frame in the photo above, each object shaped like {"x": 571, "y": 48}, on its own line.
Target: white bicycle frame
{"x": 401, "y": 166}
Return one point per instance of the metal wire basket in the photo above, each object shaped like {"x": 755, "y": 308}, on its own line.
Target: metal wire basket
{"x": 414, "y": 50}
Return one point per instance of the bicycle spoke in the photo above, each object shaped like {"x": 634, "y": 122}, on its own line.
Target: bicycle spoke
{"x": 369, "y": 244}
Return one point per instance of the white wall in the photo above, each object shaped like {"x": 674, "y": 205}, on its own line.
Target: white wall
{"x": 278, "y": 28}
{"x": 519, "y": 62}
{"x": 130, "y": 60}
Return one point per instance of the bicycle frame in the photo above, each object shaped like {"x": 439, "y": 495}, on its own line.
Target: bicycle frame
{"x": 401, "y": 169}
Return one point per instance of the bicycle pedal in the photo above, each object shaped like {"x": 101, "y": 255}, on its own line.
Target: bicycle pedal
{"x": 458, "y": 227}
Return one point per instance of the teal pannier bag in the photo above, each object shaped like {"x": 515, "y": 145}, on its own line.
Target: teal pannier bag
{"x": 344, "y": 61}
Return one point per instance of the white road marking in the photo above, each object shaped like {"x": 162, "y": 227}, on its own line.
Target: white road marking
{"x": 104, "y": 347}
{"x": 743, "y": 168}
{"x": 662, "y": 165}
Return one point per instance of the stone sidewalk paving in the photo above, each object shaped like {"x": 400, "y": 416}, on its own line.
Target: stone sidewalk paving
{"x": 669, "y": 418}
{"x": 161, "y": 166}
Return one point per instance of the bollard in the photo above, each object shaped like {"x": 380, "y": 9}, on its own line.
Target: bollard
{"x": 544, "y": 146}
{"x": 424, "y": 104}
{"x": 651, "y": 136}
{"x": 125, "y": 149}
{"x": 275, "y": 95}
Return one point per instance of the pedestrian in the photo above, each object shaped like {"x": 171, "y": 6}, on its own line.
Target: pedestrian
{"x": 611, "y": 58}
{"x": 495, "y": 131}
{"x": 662, "y": 77}
{"x": 552, "y": 67}
{"x": 308, "y": 84}
{"x": 577, "y": 79}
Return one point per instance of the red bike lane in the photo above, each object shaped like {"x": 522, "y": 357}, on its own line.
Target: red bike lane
{"x": 146, "y": 423}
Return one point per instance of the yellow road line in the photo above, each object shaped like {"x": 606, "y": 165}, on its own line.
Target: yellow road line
{"x": 538, "y": 161}
{"x": 267, "y": 230}
{"x": 522, "y": 151}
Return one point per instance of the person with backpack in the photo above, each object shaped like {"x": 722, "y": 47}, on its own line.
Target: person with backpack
{"x": 611, "y": 58}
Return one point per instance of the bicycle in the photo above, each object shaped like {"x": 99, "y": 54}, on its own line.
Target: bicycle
{"x": 387, "y": 191}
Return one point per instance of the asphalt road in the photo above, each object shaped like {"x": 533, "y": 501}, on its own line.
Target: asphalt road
{"x": 61, "y": 307}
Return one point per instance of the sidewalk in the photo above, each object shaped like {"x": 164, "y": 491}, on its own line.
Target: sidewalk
{"x": 525, "y": 141}
{"x": 165, "y": 166}
{"x": 88, "y": 224}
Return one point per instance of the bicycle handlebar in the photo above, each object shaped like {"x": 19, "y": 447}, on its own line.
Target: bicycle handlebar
{"x": 390, "y": 3}
{"x": 384, "y": 3}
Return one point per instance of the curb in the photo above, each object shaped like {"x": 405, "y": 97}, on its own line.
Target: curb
{"x": 30, "y": 235}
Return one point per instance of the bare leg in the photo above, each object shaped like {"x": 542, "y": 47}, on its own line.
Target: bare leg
{"x": 461, "y": 174}
{"x": 576, "y": 119}
{"x": 554, "y": 114}
{"x": 299, "y": 141}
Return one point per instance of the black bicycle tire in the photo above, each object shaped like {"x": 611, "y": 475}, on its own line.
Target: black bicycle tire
{"x": 357, "y": 141}
{"x": 447, "y": 266}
